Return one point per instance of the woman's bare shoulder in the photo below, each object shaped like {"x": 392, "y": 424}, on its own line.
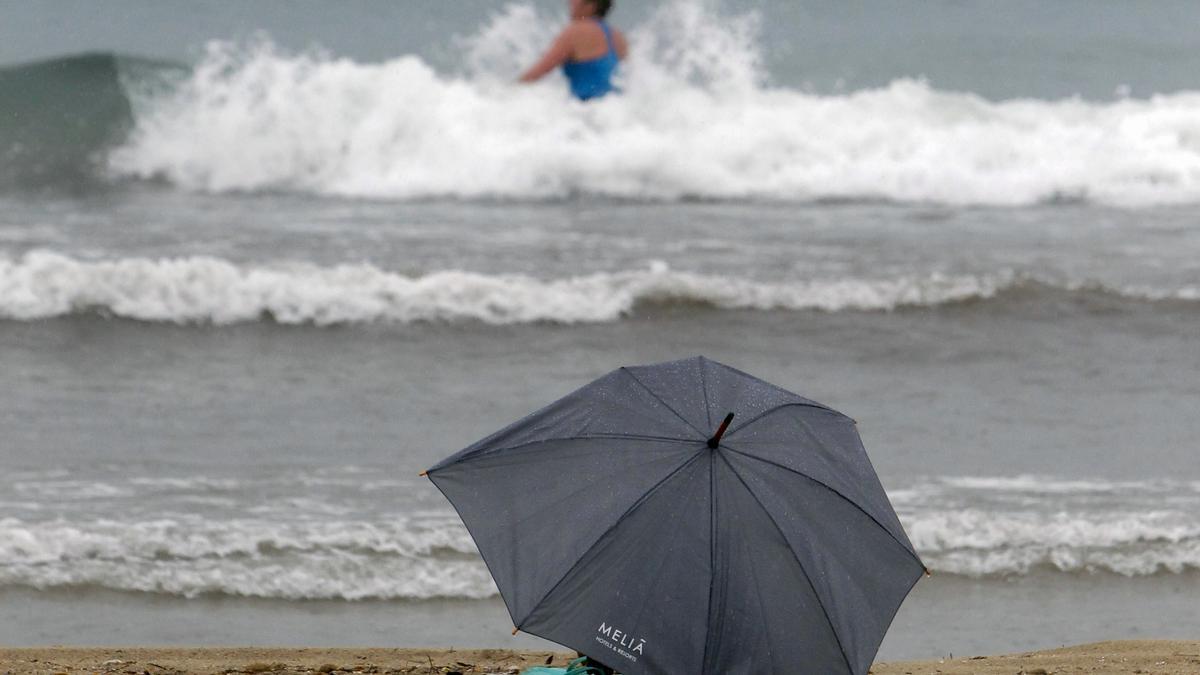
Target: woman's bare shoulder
{"x": 579, "y": 26}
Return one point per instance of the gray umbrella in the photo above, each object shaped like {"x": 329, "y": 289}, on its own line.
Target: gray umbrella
{"x": 631, "y": 521}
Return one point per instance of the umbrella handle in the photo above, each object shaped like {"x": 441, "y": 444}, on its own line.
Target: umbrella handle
{"x": 716, "y": 439}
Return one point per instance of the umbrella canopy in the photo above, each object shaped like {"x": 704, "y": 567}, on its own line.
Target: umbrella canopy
{"x": 631, "y": 521}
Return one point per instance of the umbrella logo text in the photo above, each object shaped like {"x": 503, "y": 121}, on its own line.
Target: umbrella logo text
{"x": 620, "y": 641}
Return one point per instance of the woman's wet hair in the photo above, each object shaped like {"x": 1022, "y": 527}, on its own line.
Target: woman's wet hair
{"x": 602, "y": 7}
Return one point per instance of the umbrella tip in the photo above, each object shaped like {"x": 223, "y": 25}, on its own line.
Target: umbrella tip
{"x": 515, "y": 629}
{"x": 423, "y": 474}
{"x": 716, "y": 439}
{"x": 928, "y": 573}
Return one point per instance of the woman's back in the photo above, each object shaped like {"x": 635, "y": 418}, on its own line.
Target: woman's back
{"x": 588, "y": 50}
{"x": 590, "y": 39}
{"x": 593, "y": 60}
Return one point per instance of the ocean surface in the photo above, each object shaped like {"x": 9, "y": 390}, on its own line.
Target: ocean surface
{"x": 261, "y": 263}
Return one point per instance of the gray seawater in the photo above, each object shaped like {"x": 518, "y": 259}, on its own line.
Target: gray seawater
{"x": 248, "y": 291}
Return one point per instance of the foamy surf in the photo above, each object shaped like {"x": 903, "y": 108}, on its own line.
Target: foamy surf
{"x": 141, "y": 534}
{"x": 998, "y": 526}
{"x": 189, "y": 556}
{"x": 45, "y": 284}
{"x": 253, "y": 117}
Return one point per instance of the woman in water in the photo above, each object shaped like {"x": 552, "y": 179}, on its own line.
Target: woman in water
{"x": 587, "y": 49}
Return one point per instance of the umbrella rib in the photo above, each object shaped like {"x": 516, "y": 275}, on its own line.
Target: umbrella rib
{"x": 828, "y": 619}
{"x": 624, "y": 437}
{"x": 659, "y": 399}
{"x": 668, "y": 545}
{"x": 774, "y": 387}
{"x": 712, "y": 555}
{"x": 572, "y": 495}
{"x": 836, "y": 492}
{"x": 633, "y": 507}
{"x": 781, "y": 406}
{"x": 762, "y": 610}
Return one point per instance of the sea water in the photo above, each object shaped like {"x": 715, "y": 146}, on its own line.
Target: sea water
{"x": 263, "y": 264}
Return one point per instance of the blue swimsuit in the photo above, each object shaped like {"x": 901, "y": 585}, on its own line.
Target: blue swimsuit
{"x": 593, "y": 78}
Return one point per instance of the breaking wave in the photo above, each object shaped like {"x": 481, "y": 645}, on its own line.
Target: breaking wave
{"x": 984, "y": 527}
{"x": 44, "y": 284}
{"x": 254, "y": 118}
{"x": 62, "y": 116}
{"x": 259, "y": 540}
{"x": 251, "y": 117}
{"x": 344, "y": 560}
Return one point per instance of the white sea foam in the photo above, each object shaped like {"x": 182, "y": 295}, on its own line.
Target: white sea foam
{"x": 253, "y": 117}
{"x": 348, "y": 560}
{"x": 979, "y": 527}
{"x": 44, "y": 284}
{"x": 1040, "y": 484}
{"x": 354, "y": 560}
{"x": 980, "y": 543}
{"x": 69, "y": 489}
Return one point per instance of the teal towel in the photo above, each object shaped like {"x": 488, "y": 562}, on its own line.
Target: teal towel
{"x": 575, "y": 667}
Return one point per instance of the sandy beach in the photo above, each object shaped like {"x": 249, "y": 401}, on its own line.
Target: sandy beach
{"x": 1128, "y": 656}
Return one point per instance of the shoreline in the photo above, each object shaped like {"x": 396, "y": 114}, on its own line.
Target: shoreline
{"x": 1124, "y": 656}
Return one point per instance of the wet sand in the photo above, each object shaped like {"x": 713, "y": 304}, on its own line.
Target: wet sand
{"x": 1133, "y": 656}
